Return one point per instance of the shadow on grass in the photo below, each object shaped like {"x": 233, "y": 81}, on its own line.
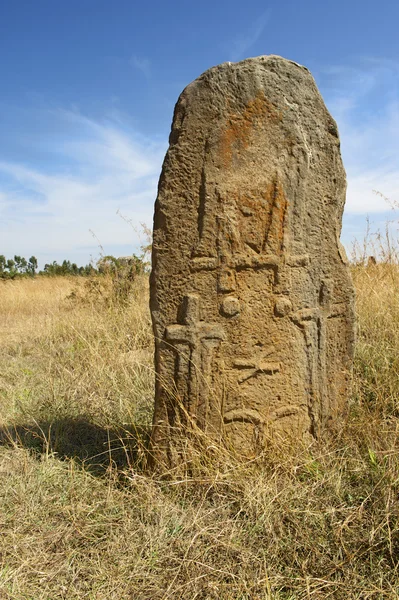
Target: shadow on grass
{"x": 97, "y": 448}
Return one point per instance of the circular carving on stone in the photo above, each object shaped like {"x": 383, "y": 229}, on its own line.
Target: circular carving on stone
{"x": 282, "y": 307}
{"x": 230, "y": 306}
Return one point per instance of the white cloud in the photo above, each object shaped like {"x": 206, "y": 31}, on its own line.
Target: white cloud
{"x": 364, "y": 103}
{"x": 361, "y": 196}
{"x": 247, "y": 39}
{"x": 142, "y": 64}
{"x": 99, "y": 168}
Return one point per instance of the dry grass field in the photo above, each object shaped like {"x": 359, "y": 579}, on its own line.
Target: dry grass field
{"x": 80, "y": 517}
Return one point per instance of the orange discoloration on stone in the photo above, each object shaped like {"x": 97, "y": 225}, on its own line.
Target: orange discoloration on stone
{"x": 237, "y": 135}
{"x": 261, "y": 218}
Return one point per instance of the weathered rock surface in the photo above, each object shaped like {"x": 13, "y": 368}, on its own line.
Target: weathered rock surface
{"x": 251, "y": 297}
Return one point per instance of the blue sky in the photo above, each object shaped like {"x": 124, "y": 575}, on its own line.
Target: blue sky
{"x": 88, "y": 89}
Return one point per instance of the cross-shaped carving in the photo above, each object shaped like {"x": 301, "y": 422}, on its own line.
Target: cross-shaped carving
{"x": 194, "y": 342}
{"x": 313, "y": 323}
{"x": 253, "y": 368}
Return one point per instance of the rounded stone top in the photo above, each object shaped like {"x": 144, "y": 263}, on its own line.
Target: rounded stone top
{"x": 248, "y": 76}
{"x": 268, "y": 61}
{"x": 264, "y": 58}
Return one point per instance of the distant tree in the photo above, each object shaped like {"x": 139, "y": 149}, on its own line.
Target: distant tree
{"x": 52, "y": 268}
{"x": 32, "y": 265}
{"x": 89, "y": 270}
{"x": 66, "y": 267}
{"x": 10, "y": 265}
{"x": 20, "y": 264}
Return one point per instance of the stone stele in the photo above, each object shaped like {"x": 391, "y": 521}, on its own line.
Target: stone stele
{"x": 251, "y": 295}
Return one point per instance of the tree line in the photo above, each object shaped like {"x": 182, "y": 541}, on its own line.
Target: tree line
{"x": 19, "y": 266}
